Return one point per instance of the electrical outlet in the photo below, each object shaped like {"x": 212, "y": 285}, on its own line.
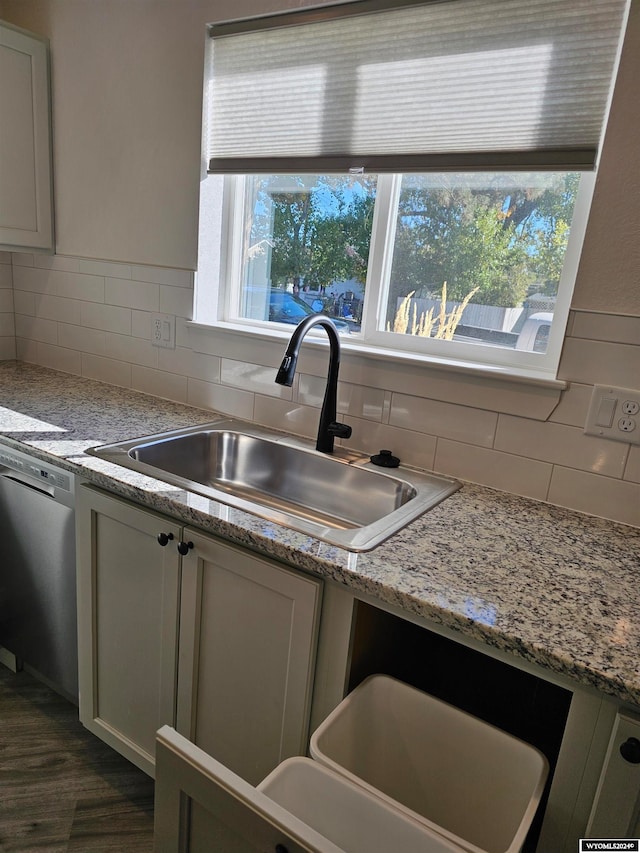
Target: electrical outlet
{"x": 614, "y": 413}
{"x": 163, "y": 330}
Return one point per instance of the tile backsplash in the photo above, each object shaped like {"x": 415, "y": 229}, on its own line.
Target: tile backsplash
{"x": 7, "y": 322}
{"x": 94, "y": 319}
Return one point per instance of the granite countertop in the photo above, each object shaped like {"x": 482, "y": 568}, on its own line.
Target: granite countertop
{"x": 551, "y": 586}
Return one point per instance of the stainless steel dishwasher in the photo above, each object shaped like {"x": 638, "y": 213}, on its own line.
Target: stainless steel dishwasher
{"x": 37, "y": 568}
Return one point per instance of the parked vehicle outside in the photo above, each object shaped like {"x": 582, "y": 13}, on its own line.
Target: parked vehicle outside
{"x": 285, "y": 307}
{"x": 534, "y": 336}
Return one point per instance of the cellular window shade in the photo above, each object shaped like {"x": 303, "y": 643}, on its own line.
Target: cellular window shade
{"x": 504, "y": 83}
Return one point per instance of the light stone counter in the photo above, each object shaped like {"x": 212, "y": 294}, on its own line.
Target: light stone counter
{"x": 548, "y": 585}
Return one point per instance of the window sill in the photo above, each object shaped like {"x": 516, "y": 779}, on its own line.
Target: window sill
{"x": 201, "y": 336}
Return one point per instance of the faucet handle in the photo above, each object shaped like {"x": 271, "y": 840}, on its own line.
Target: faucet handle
{"x": 340, "y": 430}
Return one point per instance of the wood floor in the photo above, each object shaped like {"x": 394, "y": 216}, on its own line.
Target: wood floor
{"x": 61, "y": 789}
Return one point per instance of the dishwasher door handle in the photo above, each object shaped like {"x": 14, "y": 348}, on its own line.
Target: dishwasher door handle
{"x": 30, "y": 483}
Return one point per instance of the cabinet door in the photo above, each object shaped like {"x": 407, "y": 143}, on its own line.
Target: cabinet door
{"x": 128, "y": 601}
{"x": 200, "y": 806}
{"x": 615, "y": 812}
{"x": 26, "y": 218}
{"x": 248, "y": 630}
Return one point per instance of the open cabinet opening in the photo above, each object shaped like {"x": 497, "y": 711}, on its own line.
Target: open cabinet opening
{"x": 517, "y": 702}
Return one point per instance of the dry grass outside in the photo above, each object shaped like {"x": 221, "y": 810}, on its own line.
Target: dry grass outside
{"x": 407, "y": 322}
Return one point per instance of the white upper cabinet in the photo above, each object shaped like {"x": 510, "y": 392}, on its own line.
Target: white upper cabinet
{"x": 26, "y": 200}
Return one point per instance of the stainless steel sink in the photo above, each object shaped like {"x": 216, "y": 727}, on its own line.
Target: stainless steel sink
{"x": 347, "y": 502}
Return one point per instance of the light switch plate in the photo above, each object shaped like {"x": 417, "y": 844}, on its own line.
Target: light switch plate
{"x": 614, "y": 413}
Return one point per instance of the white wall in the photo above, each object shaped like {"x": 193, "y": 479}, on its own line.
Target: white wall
{"x": 126, "y": 103}
{"x": 608, "y": 278}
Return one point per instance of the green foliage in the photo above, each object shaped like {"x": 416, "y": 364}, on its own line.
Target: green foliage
{"x": 500, "y": 240}
{"x": 321, "y": 234}
{"x": 498, "y": 236}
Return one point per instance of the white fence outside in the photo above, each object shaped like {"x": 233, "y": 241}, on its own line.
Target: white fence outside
{"x": 479, "y": 316}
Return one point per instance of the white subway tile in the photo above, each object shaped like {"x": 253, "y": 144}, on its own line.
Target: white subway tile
{"x": 286, "y": 415}
{"x": 573, "y": 406}
{"x": 83, "y": 339}
{"x": 600, "y": 363}
{"x": 7, "y": 325}
{"x": 78, "y": 286}
{"x": 605, "y": 497}
{"x": 459, "y": 423}
{"x": 110, "y": 318}
{"x": 178, "y": 360}
{"x": 106, "y": 370}
{"x": 104, "y": 268}
{"x": 183, "y": 335}
{"x": 374, "y": 373}
{"x": 169, "y": 386}
{"x": 220, "y": 398}
{"x": 561, "y": 445}
{"x": 36, "y": 329}
{"x": 491, "y": 468}
{"x": 386, "y": 407}
{"x": 162, "y": 275}
{"x": 33, "y": 280}
{"x": 6, "y": 301}
{"x": 26, "y": 350}
{"x": 134, "y": 350}
{"x": 5, "y": 257}
{"x": 141, "y": 324}
{"x": 205, "y": 367}
{"x": 6, "y": 277}
{"x": 176, "y": 300}
{"x": 356, "y": 400}
{"x": 8, "y": 348}
{"x": 22, "y": 259}
{"x": 252, "y": 377}
{"x": 60, "y": 358}
{"x": 238, "y": 346}
{"x": 58, "y": 283}
{"x": 413, "y": 448}
{"x": 616, "y": 328}
{"x": 58, "y": 308}
{"x": 141, "y": 295}
{"x": 632, "y": 470}
{"x": 24, "y": 302}
{"x": 56, "y": 262}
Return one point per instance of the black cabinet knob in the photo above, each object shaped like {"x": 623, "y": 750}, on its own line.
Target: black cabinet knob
{"x": 163, "y": 538}
{"x": 280, "y": 848}
{"x": 184, "y": 547}
{"x": 630, "y": 750}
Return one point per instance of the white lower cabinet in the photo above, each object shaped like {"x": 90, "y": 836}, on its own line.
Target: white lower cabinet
{"x": 248, "y": 632}
{"x": 616, "y": 807}
{"x": 217, "y": 642}
{"x": 128, "y": 600}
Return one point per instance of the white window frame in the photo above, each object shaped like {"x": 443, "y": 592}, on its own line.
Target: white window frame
{"x": 223, "y": 312}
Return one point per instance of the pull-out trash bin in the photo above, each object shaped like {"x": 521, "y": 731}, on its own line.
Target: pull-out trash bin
{"x": 468, "y": 781}
{"x": 345, "y": 813}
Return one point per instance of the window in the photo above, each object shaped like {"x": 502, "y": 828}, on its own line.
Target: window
{"x": 421, "y": 174}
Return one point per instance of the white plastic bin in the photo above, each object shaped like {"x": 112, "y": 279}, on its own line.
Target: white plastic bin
{"x": 345, "y": 813}
{"x": 471, "y": 782}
